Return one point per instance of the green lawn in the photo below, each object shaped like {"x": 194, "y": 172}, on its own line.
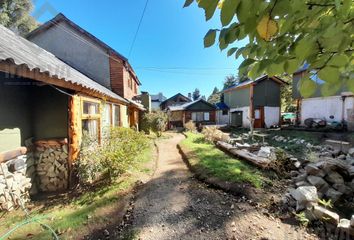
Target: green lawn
{"x": 217, "y": 164}
{"x": 82, "y": 213}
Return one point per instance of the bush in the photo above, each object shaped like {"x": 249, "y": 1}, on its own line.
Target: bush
{"x": 120, "y": 150}
{"x": 190, "y": 126}
{"x": 155, "y": 122}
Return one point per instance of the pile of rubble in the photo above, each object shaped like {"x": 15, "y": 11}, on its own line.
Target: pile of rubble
{"x": 306, "y": 200}
{"x": 14, "y": 184}
{"x": 52, "y": 165}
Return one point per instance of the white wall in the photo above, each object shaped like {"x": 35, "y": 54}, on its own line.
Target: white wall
{"x": 271, "y": 116}
{"x": 245, "y": 116}
{"x": 222, "y": 119}
{"x": 324, "y": 107}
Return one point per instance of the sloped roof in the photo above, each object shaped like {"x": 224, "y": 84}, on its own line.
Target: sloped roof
{"x": 187, "y": 105}
{"x": 250, "y": 81}
{"x": 221, "y": 106}
{"x": 62, "y": 18}
{"x": 174, "y": 96}
{"x": 20, "y": 51}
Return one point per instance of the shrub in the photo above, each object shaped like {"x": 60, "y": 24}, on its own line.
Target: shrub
{"x": 190, "y": 126}
{"x": 155, "y": 122}
{"x": 120, "y": 150}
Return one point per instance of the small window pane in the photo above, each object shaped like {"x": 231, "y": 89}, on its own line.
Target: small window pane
{"x": 90, "y": 128}
{"x": 116, "y": 116}
{"x": 199, "y": 116}
{"x": 257, "y": 114}
{"x": 194, "y": 116}
{"x": 90, "y": 108}
{"x": 206, "y": 116}
{"x": 225, "y": 112}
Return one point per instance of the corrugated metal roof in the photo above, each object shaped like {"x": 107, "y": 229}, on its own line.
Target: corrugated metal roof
{"x": 23, "y": 52}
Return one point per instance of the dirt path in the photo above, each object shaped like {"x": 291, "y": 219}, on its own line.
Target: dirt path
{"x": 174, "y": 205}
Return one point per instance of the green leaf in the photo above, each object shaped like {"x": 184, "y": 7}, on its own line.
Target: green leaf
{"x": 231, "y": 51}
{"x": 329, "y": 74}
{"x": 292, "y": 65}
{"x": 246, "y": 63}
{"x": 275, "y": 69}
{"x": 223, "y": 44}
{"x": 304, "y": 48}
{"x": 187, "y": 3}
{"x": 339, "y": 60}
{"x": 307, "y": 87}
{"x": 209, "y": 7}
{"x": 209, "y": 38}
{"x": 254, "y": 71}
{"x": 243, "y": 10}
{"x": 228, "y": 11}
{"x": 239, "y": 52}
{"x": 330, "y": 89}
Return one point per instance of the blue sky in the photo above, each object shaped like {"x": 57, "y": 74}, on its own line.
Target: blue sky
{"x": 168, "y": 55}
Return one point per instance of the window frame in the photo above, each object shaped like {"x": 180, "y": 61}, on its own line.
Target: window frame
{"x": 97, "y": 116}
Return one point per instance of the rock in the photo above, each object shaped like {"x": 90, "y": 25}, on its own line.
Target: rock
{"x": 342, "y": 188}
{"x": 294, "y": 173}
{"x": 333, "y": 194}
{"x": 301, "y": 177}
{"x": 322, "y": 213}
{"x": 302, "y": 183}
{"x": 319, "y": 183}
{"x": 352, "y": 221}
{"x": 312, "y": 169}
{"x": 351, "y": 171}
{"x": 106, "y": 232}
{"x": 351, "y": 185}
{"x": 342, "y": 157}
{"x": 297, "y": 164}
{"x": 334, "y": 178}
{"x": 305, "y": 196}
{"x": 344, "y": 227}
{"x": 293, "y": 159}
{"x": 264, "y": 152}
{"x": 351, "y": 152}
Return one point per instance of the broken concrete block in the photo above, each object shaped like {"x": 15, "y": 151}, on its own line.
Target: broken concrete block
{"x": 312, "y": 169}
{"x": 344, "y": 227}
{"x": 342, "y": 188}
{"x": 264, "y": 152}
{"x": 305, "y": 196}
{"x": 319, "y": 183}
{"x": 333, "y": 194}
{"x": 334, "y": 178}
{"x": 322, "y": 213}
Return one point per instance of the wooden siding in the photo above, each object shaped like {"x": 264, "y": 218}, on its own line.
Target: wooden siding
{"x": 266, "y": 93}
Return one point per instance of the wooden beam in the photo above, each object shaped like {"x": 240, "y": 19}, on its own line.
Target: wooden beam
{"x": 35, "y": 74}
{"x": 8, "y": 155}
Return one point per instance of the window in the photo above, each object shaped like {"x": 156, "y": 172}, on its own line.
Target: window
{"x": 200, "y": 116}
{"x": 91, "y": 119}
{"x": 116, "y": 116}
{"x": 206, "y": 116}
{"x": 90, "y": 108}
{"x": 225, "y": 112}
{"x": 194, "y": 116}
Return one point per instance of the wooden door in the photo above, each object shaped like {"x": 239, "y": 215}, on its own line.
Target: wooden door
{"x": 259, "y": 117}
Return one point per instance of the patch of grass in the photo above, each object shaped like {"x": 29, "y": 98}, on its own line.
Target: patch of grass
{"x": 218, "y": 164}
{"x": 81, "y": 214}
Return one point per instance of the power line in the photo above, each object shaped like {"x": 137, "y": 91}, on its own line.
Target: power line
{"x": 186, "y": 68}
{"x": 137, "y": 30}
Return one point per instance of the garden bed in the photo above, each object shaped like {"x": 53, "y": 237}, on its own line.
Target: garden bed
{"x": 220, "y": 170}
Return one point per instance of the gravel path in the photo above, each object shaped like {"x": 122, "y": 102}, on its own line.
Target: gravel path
{"x": 174, "y": 205}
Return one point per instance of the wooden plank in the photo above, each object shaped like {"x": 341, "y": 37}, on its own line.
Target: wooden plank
{"x": 8, "y": 155}
{"x": 252, "y": 158}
